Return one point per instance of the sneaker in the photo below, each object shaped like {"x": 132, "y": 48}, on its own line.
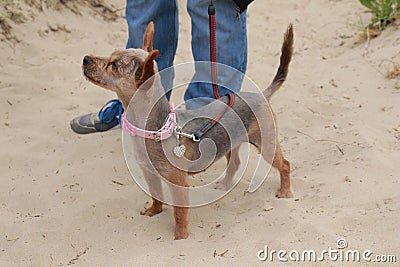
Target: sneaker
{"x": 107, "y": 118}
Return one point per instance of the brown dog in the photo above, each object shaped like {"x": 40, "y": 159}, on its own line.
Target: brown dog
{"x": 134, "y": 71}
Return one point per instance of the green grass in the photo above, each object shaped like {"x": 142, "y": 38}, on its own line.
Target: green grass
{"x": 384, "y": 12}
{"x": 344, "y": 36}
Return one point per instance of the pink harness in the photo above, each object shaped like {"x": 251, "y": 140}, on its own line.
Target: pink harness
{"x": 164, "y": 133}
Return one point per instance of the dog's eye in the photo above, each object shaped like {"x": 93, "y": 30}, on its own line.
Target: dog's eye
{"x": 114, "y": 66}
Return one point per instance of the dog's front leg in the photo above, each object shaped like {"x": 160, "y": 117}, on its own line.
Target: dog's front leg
{"x": 180, "y": 196}
{"x": 181, "y": 222}
{"x": 155, "y": 189}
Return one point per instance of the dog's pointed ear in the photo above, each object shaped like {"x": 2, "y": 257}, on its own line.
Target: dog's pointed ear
{"x": 148, "y": 67}
{"x": 148, "y": 37}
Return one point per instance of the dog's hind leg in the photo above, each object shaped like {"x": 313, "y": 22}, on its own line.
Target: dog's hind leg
{"x": 278, "y": 161}
{"x": 283, "y": 167}
{"x": 232, "y": 166}
{"x": 155, "y": 189}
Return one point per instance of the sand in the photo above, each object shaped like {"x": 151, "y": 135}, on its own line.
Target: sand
{"x": 69, "y": 199}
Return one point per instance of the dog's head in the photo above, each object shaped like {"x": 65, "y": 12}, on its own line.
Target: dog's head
{"x": 124, "y": 71}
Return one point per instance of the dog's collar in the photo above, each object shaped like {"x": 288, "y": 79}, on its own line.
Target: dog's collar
{"x": 163, "y": 133}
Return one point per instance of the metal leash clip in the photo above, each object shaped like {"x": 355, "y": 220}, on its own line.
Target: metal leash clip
{"x": 178, "y": 132}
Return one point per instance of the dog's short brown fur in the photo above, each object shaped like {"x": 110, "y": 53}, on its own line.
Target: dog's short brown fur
{"x": 125, "y": 71}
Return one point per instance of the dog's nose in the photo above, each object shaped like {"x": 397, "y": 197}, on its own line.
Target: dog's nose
{"x": 86, "y": 60}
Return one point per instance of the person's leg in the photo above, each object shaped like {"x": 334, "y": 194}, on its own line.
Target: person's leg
{"x": 231, "y": 48}
{"x": 164, "y": 14}
{"x": 139, "y": 13}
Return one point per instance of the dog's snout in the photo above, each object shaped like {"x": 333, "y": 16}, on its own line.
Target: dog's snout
{"x": 86, "y": 60}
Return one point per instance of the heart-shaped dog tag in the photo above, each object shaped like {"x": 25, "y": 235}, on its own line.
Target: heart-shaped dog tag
{"x": 179, "y": 150}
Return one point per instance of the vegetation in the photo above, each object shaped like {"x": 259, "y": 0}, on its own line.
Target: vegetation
{"x": 394, "y": 72}
{"x": 385, "y": 11}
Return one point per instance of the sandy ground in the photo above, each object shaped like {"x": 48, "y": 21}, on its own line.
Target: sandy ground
{"x": 339, "y": 120}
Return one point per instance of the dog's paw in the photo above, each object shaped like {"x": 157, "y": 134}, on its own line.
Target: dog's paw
{"x": 151, "y": 211}
{"x": 181, "y": 234}
{"x": 284, "y": 193}
{"x": 223, "y": 186}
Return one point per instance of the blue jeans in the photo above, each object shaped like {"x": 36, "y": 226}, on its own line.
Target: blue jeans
{"x": 231, "y": 40}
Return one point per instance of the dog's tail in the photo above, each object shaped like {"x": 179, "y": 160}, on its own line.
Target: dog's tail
{"x": 286, "y": 56}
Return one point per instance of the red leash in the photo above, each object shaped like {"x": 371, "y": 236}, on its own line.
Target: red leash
{"x": 213, "y": 48}
{"x": 209, "y": 124}
{"x": 213, "y": 54}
